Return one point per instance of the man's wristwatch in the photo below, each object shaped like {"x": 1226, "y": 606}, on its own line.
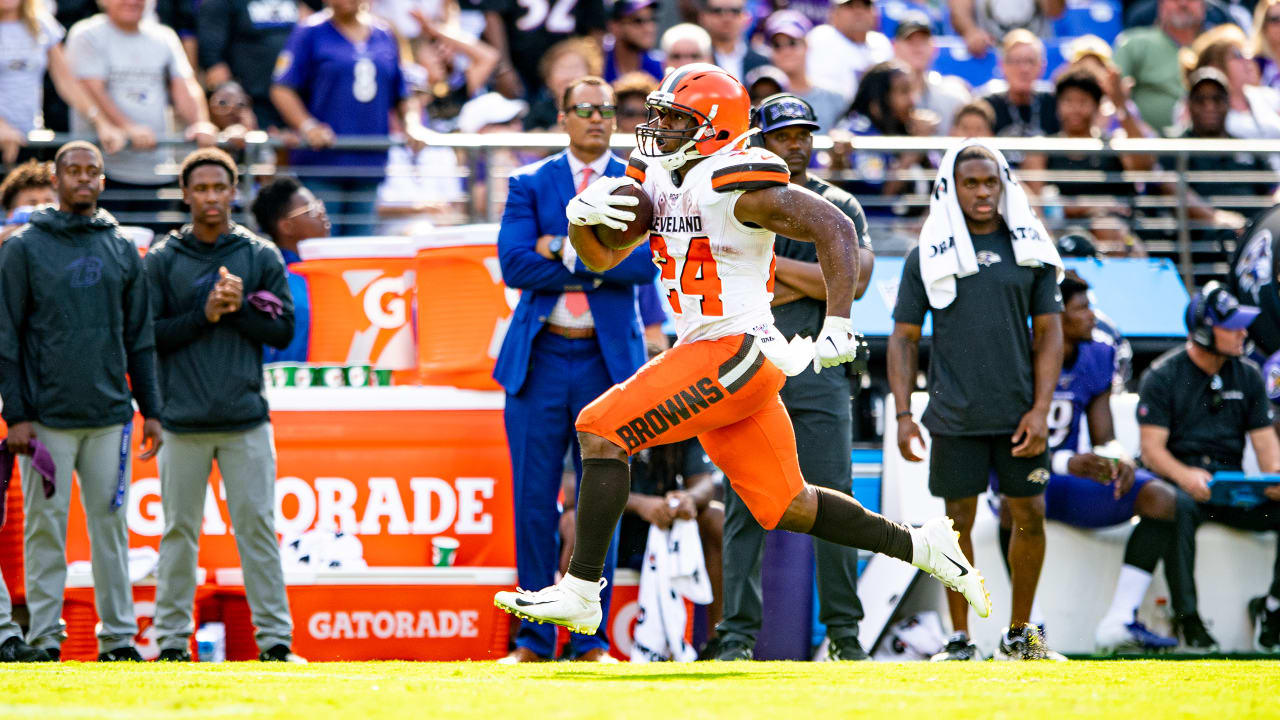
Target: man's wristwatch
{"x": 556, "y": 246}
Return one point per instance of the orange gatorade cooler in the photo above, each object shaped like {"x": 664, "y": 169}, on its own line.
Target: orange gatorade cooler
{"x": 361, "y": 301}
{"x": 463, "y": 306}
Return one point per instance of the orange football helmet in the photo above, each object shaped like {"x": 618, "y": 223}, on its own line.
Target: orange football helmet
{"x": 718, "y": 104}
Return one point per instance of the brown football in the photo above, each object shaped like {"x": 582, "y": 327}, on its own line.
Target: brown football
{"x": 636, "y": 229}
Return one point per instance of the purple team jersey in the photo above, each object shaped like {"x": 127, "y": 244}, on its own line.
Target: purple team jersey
{"x": 1271, "y": 377}
{"x": 351, "y": 87}
{"x": 1078, "y": 501}
{"x": 1078, "y": 385}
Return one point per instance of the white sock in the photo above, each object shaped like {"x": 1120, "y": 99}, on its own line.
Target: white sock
{"x": 1273, "y": 604}
{"x": 1130, "y": 589}
{"x": 1037, "y": 617}
{"x": 919, "y": 549}
{"x": 586, "y": 589}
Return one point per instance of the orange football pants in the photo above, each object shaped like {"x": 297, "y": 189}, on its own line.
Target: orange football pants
{"x": 725, "y": 393}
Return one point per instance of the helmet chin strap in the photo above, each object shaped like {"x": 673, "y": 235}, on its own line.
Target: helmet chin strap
{"x": 675, "y": 160}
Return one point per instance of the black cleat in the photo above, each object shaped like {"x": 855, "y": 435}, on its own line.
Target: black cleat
{"x": 280, "y": 653}
{"x": 733, "y": 650}
{"x": 174, "y": 655}
{"x": 15, "y": 650}
{"x": 958, "y": 648}
{"x": 846, "y": 648}
{"x": 1026, "y": 643}
{"x": 1266, "y": 626}
{"x": 128, "y": 653}
{"x": 1195, "y": 638}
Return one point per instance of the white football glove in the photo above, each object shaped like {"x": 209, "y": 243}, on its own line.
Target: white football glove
{"x": 597, "y": 205}
{"x": 792, "y": 358}
{"x": 835, "y": 345}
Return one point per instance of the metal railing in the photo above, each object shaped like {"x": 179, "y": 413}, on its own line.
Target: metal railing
{"x": 1162, "y": 219}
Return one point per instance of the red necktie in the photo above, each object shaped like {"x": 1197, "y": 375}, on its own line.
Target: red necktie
{"x": 576, "y": 302}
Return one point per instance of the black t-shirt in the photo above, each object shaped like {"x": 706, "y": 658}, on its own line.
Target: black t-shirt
{"x": 533, "y": 26}
{"x": 1207, "y": 426}
{"x": 804, "y": 316}
{"x": 1265, "y": 330}
{"x": 1038, "y": 118}
{"x": 1092, "y": 162}
{"x": 1220, "y": 165}
{"x": 248, "y": 36}
{"x": 980, "y": 365}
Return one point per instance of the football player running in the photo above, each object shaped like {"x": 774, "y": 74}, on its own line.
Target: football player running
{"x": 716, "y": 207}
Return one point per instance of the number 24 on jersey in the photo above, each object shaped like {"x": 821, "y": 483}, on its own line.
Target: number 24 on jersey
{"x": 698, "y": 276}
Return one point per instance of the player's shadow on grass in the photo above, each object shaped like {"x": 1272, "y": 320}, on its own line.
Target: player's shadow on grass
{"x": 649, "y": 677}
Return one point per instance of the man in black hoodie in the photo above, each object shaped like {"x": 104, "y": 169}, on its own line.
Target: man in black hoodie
{"x": 219, "y": 294}
{"x": 74, "y": 320}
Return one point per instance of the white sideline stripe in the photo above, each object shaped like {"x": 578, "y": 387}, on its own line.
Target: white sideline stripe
{"x": 497, "y": 576}
{"x": 741, "y": 368}
{"x": 402, "y": 397}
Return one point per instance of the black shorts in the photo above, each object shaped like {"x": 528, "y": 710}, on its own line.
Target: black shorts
{"x": 960, "y": 466}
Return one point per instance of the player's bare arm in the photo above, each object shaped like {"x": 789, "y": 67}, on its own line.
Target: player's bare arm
{"x": 801, "y": 214}
{"x": 1032, "y": 434}
{"x": 594, "y": 254}
{"x": 904, "y": 362}
{"x": 805, "y": 278}
{"x": 1091, "y": 465}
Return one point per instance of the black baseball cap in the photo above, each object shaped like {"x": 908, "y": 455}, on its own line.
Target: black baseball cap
{"x": 625, "y": 8}
{"x": 785, "y": 110}
{"x": 1077, "y": 244}
{"x": 912, "y": 23}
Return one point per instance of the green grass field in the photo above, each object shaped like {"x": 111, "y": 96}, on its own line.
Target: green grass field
{"x": 1140, "y": 690}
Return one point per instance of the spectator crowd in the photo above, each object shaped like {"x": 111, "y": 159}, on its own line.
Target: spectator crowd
{"x": 393, "y": 72}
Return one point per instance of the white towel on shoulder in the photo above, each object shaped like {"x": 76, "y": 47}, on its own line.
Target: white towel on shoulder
{"x": 946, "y": 250}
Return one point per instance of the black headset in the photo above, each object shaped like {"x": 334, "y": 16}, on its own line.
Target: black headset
{"x": 1198, "y": 314}
{"x": 756, "y": 139}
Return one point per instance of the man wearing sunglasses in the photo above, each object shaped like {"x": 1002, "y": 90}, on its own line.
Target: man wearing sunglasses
{"x": 573, "y": 335}
{"x": 726, "y": 22}
{"x": 1196, "y": 406}
{"x": 288, "y": 213}
{"x": 633, "y": 34}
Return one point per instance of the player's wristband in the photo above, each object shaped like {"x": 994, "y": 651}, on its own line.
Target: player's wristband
{"x": 904, "y": 413}
{"x": 1060, "y": 460}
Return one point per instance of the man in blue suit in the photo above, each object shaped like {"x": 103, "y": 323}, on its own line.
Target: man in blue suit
{"x": 574, "y": 334}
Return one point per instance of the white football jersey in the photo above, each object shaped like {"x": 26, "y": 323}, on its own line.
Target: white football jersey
{"x": 718, "y": 273}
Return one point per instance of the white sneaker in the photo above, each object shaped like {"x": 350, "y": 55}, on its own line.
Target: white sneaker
{"x": 1117, "y": 637}
{"x": 947, "y": 563}
{"x": 556, "y": 605}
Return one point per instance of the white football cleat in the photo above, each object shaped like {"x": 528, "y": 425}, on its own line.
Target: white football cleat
{"x": 947, "y": 563}
{"x": 557, "y": 605}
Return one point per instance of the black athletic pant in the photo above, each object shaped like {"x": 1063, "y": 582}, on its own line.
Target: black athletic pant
{"x": 1190, "y": 515}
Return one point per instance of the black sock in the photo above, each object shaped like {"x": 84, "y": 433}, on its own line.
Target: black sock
{"x": 1006, "y": 539}
{"x": 602, "y": 497}
{"x": 1149, "y": 542}
{"x": 842, "y": 520}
